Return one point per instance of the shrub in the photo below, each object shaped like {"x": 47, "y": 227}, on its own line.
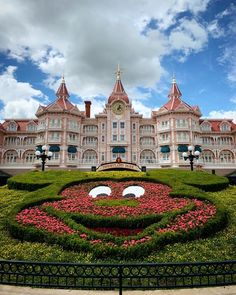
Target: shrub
{"x": 100, "y": 243}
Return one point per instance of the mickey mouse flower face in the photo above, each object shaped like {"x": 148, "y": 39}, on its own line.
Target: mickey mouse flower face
{"x": 111, "y": 217}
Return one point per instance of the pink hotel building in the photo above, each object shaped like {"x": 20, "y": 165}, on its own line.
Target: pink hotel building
{"x": 79, "y": 141}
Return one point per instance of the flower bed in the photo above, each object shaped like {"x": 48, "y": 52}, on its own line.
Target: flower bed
{"x": 110, "y": 225}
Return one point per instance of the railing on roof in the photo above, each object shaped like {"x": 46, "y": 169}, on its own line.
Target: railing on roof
{"x": 117, "y": 276}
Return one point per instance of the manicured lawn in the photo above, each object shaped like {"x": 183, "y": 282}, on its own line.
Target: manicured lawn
{"x": 218, "y": 246}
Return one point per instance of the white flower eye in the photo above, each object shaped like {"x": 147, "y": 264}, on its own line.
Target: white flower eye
{"x": 100, "y": 190}
{"x": 133, "y": 191}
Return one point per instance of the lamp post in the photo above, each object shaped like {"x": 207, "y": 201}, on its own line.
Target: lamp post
{"x": 43, "y": 156}
{"x": 191, "y": 156}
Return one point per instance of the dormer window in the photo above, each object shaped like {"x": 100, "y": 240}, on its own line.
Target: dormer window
{"x": 12, "y": 126}
{"x": 224, "y": 127}
{"x": 31, "y": 127}
{"x": 206, "y": 127}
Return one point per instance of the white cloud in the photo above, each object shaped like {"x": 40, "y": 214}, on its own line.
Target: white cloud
{"x": 228, "y": 58}
{"x": 223, "y": 115}
{"x": 86, "y": 39}
{"x": 189, "y": 36}
{"x": 19, "y": 99}
{"x": 215, "y": 30}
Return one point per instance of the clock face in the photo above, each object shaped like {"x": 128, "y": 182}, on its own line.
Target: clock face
{"x": 118, "y": 107}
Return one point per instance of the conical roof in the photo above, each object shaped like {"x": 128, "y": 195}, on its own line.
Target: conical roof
{"x": 118, "y": 90}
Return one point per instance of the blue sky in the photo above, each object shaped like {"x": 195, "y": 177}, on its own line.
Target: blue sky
{"x": 41, "y": 40}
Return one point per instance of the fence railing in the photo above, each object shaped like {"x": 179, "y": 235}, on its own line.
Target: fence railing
{"x": 117, "y": 276}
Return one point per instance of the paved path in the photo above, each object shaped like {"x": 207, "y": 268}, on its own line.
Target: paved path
{"x": 11, "y": 290}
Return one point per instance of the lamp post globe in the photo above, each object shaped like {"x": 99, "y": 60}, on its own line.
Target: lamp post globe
{"x": 191, "y": 155}
{"x": 43, "y": 156}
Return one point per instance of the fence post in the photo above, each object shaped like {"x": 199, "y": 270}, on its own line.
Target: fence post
{"x": 120, "y": 279}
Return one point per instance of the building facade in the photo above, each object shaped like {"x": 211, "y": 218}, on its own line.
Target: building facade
{"x": 79, "y": 141}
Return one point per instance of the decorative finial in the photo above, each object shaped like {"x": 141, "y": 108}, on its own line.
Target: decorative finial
{"x": 118, "y": 72}
{"x": 63, "y": 79}
{"x": 173, "y": 78}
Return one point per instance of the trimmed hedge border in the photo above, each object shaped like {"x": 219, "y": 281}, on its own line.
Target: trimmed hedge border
{"x": 74, "y": 242}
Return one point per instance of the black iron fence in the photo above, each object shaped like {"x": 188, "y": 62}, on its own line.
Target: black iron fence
{"x": 117, "y": 276}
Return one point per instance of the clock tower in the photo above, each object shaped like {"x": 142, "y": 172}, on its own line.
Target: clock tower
{"x": 118, "y": 109}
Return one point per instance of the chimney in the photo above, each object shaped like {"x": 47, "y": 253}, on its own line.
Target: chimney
{"x": 87, "y": 108}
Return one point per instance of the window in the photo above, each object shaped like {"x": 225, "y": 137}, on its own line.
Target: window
{"x": 182, "y": 136}
{"x": 134, "y": 138}
{"x": 122, "y": 125}
{"x": 72, "y": 156}
{"x": 207, "y": 157}
{"x": 31, "y": 127}
{"x": 165, "y": 137}
{"x": 73, "y": 125}
{"x": 146, "y": 129}
{"x": 103, "y": 138}
{"x": 114, "y": 137}
{"x": 134, "y": 126}
{"x": 55, "y": 136}
{"x": 147, "y": 156}
{"x": 166, "y": 156}
{"x": 30, "y": 141}
{"x": 29, "y": 157}
{"x": 226, "y": 157}
{"x": 103, "y": 126}
{"x": 122, "y": 137}
{"x": 90, "y": 156}
{"x": 103, "y": 157}
{"x": 72, "y": 137}
{"x": 206, "y": 127}
{"x": 224, "y": 127}
{"x": 55, "y": 156}
{"x": 11, "y": 157}
{"x": 181, "y": 123}
{"x": 114, "y": 125}
{"x": 55, "y": 123}
{"x": 12, "y": 126}
{"x": 164, "y": 124}
{"x": 90, "y": 140}
{"x": 134, "y": 157}
{"x": 90, "y": 129}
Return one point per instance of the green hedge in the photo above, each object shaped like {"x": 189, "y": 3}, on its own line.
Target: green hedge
{"x": 184, "y": 184}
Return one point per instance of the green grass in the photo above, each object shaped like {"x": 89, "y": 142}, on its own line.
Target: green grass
{"x": 219, "y": 246}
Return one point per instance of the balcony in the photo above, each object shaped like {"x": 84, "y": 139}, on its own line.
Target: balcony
{"x": 41, "y": 128}
{"x": 90, "y": 144}
{"x": 72, "y": 141}
{"x": 54, "y": 127}
{"x": 39, "y": 140}
{"x": 73, "y": 129}
{"x": 147, "y": 145}
{"x": 182, "y": 140}
{"x": 165, "y": 141}
{"x": 54, "y": 139}
{"x": 163, "y": 129}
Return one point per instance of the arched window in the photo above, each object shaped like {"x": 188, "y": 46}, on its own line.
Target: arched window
{"x": 208, "y": 157}
{"x": 89, "y": 157}
{"x": 11, "y": 156}
{"x": 29, "y": 156}
{"x": 226, "y": 157}
{"x": 147, "y": 157}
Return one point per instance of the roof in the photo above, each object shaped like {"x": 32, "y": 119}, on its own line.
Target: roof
{"x": 118, "y": 90}
{"x": 62, "y": 91}
{"x": 21, "y": 123}
{"x": 215, "y": 123}
{"x": 61, "y": 103}
{"x": 174, "y": 90}
{"x": 175, "y": 101}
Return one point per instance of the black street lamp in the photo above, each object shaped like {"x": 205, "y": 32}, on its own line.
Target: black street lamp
{"x": 191, "y": 156}
{"x": 43, "y": 156}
